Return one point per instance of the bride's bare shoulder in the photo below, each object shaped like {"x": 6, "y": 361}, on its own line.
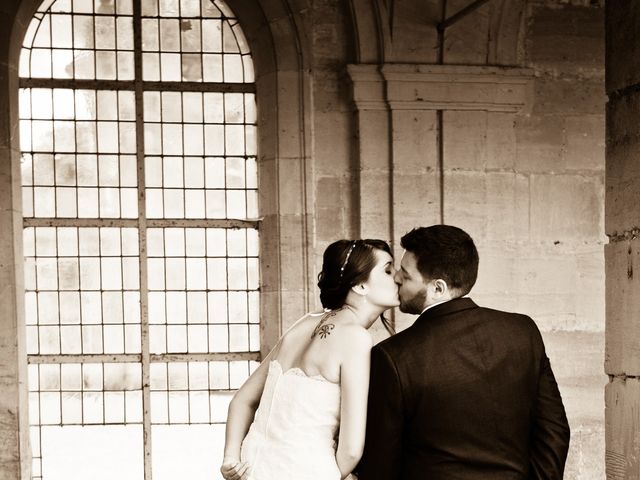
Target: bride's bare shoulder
{"x": 304, "y": 323}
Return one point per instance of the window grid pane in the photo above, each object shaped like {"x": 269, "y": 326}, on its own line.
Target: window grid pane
{"x": 196, "y": 43}
{"x": 80, "y": 40}
{"x": 201, "y": 155}
{"x": 203, "y": 290}
{"x": 81, "y": 145}
{"x": 79, "y": 153}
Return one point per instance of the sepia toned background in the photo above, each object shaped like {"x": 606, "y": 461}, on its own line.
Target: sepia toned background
{"x": 171, "y": 171}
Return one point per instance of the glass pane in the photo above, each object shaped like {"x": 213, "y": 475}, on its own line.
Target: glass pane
{"x": 97, "y": 452}
{"x": 177, "y": 450}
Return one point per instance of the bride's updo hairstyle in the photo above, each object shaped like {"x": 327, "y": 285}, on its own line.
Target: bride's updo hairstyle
{"x": 346, "y": 263}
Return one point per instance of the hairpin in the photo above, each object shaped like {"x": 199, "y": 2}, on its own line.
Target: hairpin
{"x": 346, "y": 259}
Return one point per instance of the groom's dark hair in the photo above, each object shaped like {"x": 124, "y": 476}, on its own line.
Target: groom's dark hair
{"x": 446, "y": 252}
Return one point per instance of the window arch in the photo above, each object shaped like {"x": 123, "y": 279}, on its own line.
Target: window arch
{"x": 139, "y": 173}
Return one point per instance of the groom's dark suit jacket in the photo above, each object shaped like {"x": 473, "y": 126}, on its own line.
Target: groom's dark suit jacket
{"x": 464, "y": 393}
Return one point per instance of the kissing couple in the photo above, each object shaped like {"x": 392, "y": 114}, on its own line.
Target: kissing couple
{"x": 465, "y": 393}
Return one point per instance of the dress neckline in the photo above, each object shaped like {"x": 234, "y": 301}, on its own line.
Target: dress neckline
{"x": 297, "y": 371}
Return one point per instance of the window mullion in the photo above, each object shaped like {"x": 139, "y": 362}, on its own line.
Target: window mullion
{"x": 142, "y": 238}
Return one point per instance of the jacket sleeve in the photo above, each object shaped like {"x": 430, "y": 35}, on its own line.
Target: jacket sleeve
{"x": 382, "y": 457}
{"x": 550, "y": 430}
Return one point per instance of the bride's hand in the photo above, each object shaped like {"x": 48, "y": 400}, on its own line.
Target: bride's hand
{"x": 234, "y": 469}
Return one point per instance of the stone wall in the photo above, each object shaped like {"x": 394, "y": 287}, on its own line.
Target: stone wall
{"x": 560, "y": 148}
{"x": 527, "y": 183}
{"x": 622, "y": 255}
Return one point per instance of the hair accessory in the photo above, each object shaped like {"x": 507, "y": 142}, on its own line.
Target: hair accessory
{"x": 346, "y": 259}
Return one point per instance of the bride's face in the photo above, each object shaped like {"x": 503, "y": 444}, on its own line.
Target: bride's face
{"x": 381, "y": 288}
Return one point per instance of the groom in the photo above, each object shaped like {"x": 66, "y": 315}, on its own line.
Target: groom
{"x": 465, "y": 392}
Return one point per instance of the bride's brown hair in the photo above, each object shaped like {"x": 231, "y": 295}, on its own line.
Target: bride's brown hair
{"x": 346, "y": 263}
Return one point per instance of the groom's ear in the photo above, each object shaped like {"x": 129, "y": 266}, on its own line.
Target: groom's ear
{"x": 440, "y": 287}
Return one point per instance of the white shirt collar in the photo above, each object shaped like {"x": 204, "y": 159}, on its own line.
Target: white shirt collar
{"x": 443, "y": 301}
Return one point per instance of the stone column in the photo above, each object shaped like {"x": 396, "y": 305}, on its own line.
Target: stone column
{"x": 15, "y": 454}
{"x": 374, "y": 154}
{"x": 622, "y": 254}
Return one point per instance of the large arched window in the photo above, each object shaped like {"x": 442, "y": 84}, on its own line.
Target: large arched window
{"x": 138, "y": 133}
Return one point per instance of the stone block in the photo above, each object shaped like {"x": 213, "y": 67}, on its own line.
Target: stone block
{"x": 414, "y": 145}
{"x": 284, "y": 33}
{"x": 266, "y": 86}
{"x": 330, "y": 224}
{"x": 622, "y": 423}
{"x": 458, "y": 87}
{"x": 501, "y": 141}
{"x": 292, "y": 262}
{"x": 545, "y": 273}
{"x": 330, "y": 192}
{"x": 413, "y": 20}
{"x": 333, "y": 143}
{"x": 577, "y": 359}
{"x": 329, "y": 92}
{"x": 567, "y": 40}
{"x": 507, "y": 207}
{"x": 622, "y": 269}
{"x": 368, "y": 88}
{"x": 373, "y": 140}
{"x": 465, "y": 140}
{"x": 584, "y": 146}
{"x": 586, "y": 452}
{"x": 330, "y": 32}
{"x": 416, "y": 202}
{"x": 270, "y": 329}
{"x": 464, "y": 45}
{"x": 375, "y": 205}
{"x": 539, "y": 143}
{"x": 567, "y": 96}
{"x": 290, "y": 135}
{"x": 267, "y": 187}
{"x": 294, "y": 306}
{"x": 590, "y": 288}
{"x": 554, "y": 311}
{"x": 269, "y": 254}
{"x": 9, "y": 458}
{"x": 465, "y": 202}
{"x": 495, "y": 277}
{"x": 622, "y": 167}
{"x": 622, "y": 44}
{"x": 566, "y": 208}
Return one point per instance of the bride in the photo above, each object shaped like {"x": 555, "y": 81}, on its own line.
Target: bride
{"x": 302, "y": 414}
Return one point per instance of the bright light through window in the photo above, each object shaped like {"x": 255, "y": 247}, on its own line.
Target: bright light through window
{"x": 138, "y": 138}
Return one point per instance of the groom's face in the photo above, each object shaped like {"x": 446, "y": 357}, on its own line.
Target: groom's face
{"x": 412, "y": 287}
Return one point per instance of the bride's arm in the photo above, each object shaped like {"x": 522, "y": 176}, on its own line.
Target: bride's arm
{"x": 242, "y": 409}
{"x": 354, "y": 388}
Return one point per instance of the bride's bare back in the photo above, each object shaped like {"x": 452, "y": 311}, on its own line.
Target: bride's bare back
{"x": 319, "y": 342}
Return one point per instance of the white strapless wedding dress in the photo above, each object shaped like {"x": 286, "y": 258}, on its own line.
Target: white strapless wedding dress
{"x": 294, "y": 433}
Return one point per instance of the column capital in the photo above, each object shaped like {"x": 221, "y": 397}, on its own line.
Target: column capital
{"x": 368, "y": 86}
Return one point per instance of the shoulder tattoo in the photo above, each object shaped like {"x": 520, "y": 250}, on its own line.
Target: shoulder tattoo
{"x": 323, "y": 329}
